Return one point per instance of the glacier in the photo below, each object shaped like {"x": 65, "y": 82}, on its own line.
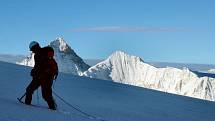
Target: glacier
{"x": 127, "y": 69}
{"x": 211, "y": 71}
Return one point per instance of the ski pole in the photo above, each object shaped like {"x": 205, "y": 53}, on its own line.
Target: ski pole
{"x": 38, "y": 97}
{"x": 54, "y": 81}
{"x": 22, "y": 96}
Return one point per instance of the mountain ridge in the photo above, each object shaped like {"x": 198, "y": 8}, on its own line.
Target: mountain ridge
{"x": 123, "y": 68}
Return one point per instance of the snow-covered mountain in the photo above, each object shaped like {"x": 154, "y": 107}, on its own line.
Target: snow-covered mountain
{"x": 123, "y": 68}
{"x": 11, "y": 58}
{"x": 211, "y": 71}
{"x": 191, "y": 66}
{"x": 68, "y": 61}
{"x": 105, "y": 100}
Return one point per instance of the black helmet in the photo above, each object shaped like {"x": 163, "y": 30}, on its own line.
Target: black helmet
{"x": 32, "y": 44}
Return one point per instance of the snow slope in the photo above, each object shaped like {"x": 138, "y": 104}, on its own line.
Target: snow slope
{"x": 105, "y": 99}
{"x": 68, "y": 61}
{"x": 123, "y": 68}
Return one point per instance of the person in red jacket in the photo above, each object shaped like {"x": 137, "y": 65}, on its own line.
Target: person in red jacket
{"x": 43, "y": 73}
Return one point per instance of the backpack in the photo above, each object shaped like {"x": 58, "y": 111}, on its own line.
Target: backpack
{"x": 50, "y": 65}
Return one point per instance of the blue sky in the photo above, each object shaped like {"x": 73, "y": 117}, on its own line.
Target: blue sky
{"x": 156, "y": 30}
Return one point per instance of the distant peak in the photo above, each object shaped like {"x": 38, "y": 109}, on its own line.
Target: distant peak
{"x": 60, "y": 40}
{"x": 60, "y": 43}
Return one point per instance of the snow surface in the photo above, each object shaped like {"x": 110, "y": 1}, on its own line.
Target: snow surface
{"x": 68, "y": 61}
{"x": 105, "y": 99}
{"x": 211, "y": 71}
{"x": 123, "y": 68}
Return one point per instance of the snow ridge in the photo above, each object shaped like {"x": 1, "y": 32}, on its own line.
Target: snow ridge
{"x": 123, "y": 68}
{"x": 68, "y": 61}
{"x": 28, "y": 61}
{"x": 211, "y": 71}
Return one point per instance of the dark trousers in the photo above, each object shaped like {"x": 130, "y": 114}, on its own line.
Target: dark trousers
{"x": 46, "y": 87}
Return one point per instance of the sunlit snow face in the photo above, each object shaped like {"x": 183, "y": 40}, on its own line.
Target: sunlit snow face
{"x": 63, "y": 45}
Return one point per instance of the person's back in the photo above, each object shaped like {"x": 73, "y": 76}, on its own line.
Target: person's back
{"x": 50, "y": 67}
{"x": 45, "y": 64}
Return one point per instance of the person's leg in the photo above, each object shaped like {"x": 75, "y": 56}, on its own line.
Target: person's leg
{"x": 30, "y": 90}
{"x": 46, "y": 87}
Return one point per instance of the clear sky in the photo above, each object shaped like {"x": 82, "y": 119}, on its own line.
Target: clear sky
{"x": 156, "y": 30}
